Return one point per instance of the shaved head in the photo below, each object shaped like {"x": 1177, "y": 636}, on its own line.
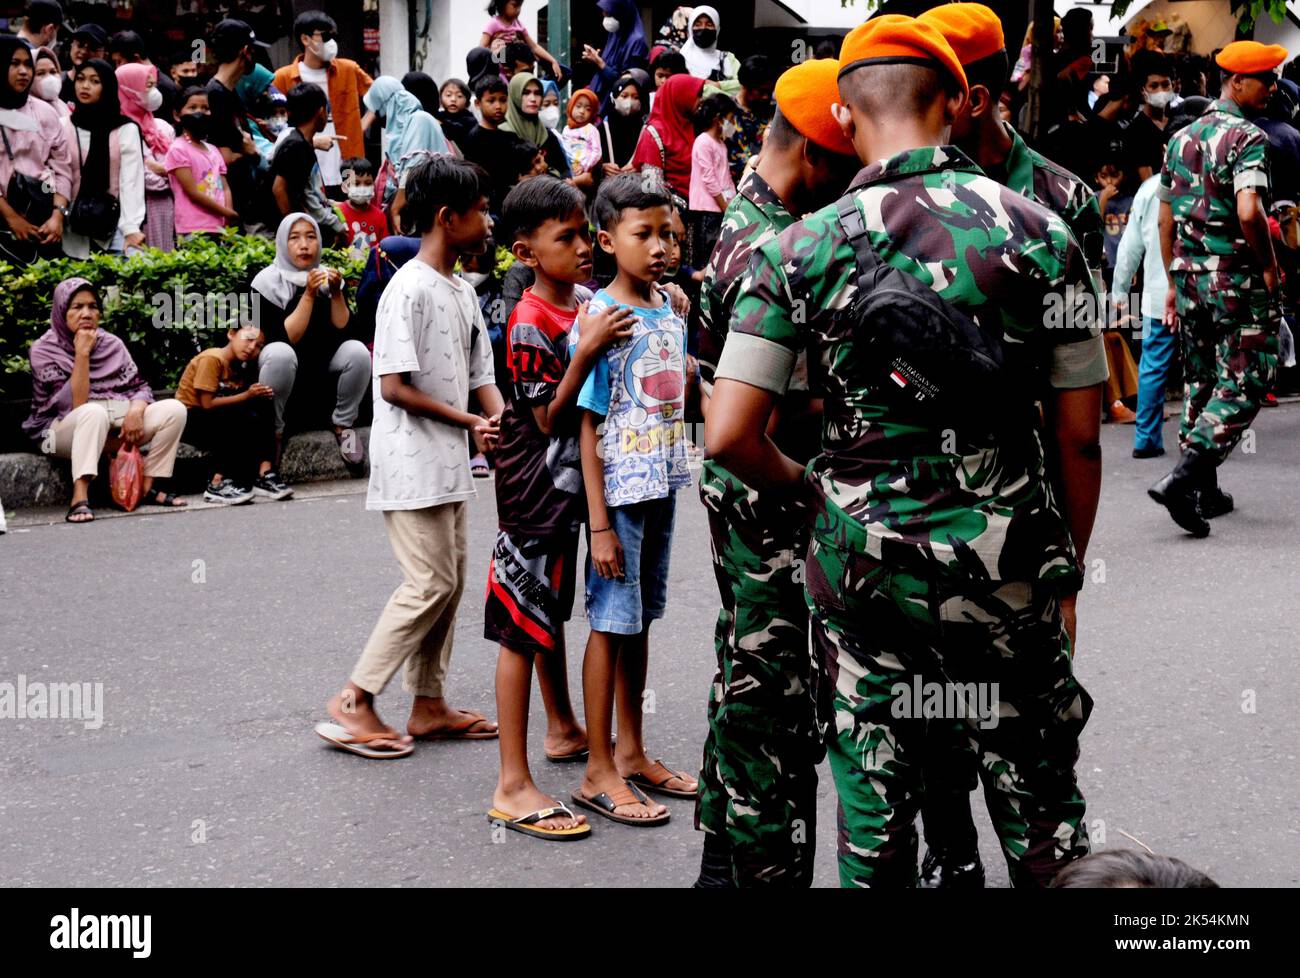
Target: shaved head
{"x": 894, "y": 91}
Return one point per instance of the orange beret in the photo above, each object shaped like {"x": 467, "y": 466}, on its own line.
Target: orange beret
{"x": 1248, "y": 57}
{"x": 805, "y": 94}
{"x": 972, "y": 29}
{"x": 895, "y": 39}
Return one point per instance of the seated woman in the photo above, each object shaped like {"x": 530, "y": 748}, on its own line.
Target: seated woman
{"x": 309, "y": 348}
{"x": 107, "y": 164}
{"x": 85, "y": 386}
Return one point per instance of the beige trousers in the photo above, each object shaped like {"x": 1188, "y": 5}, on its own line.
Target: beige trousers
{"x": 81, "y": 433}
{"x": 418, "y": 624}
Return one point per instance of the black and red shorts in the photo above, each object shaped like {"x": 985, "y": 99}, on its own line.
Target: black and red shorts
{"x": 530, "y": 591}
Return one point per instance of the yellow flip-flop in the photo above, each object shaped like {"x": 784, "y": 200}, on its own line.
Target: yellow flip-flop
{"x": 527, "y": 824}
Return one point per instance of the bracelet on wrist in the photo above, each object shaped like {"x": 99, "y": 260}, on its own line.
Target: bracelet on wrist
{"x": 603, "y": 529}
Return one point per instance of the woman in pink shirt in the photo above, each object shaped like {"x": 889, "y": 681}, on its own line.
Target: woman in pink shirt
{"x": 35, "y": 145}
{"x": 711, "y": 184}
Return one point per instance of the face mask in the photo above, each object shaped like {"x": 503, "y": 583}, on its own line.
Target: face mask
{"x": 329, "y": 50}
{"x": 704, "y": 38}
{"x": 1159, "y": 100}
{"x": 626, "y": 106}
{"x": 610, "y": 24}
{"x": 47, "y": 87}
{"x": 361, "y": 196}
{"x": 195, "y": 123}
{"x": 153, "y": 100}
{"x": 275, "y": 125}
{"x": 728, "y": 129}
{"x": 474, "y": 278}
{"x": 550, "y": 116}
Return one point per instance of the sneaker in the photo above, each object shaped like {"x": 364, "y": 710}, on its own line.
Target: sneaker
{"x": 271, "y": 487}
{"x": 227, "y": 492}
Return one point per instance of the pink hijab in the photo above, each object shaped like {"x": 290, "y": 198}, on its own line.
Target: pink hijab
{"x": 131, "y": 81}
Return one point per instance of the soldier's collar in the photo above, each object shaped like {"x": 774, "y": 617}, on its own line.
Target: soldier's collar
{"x": 1228, "y": 107}
{"x": 913, "y": 162}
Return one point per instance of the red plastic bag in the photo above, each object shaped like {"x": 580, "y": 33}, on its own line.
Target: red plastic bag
{"x": 126, "y": 477}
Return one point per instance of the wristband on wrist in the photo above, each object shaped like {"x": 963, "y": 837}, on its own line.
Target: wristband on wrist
{"x": 604, "y": 529}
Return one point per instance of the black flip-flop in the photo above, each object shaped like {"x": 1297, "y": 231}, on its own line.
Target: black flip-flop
{"x": 577, "y": 755}
{"x": 76, "y": 509}
{"x": 645, "y": 782}
{"x": 604, "y": 804}
{"x": 168, "y": 499}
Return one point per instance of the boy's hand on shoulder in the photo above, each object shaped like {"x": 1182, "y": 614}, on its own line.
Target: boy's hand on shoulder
{"x": 681, "y": 305}
{"x": 607, "y": 553}
{"x": 598, "y": 331}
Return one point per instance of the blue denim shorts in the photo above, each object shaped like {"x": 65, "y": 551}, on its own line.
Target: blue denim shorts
{"x": 626, "y": 605}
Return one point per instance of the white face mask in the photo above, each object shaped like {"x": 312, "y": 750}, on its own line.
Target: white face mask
{"x": 48, "y": 87}
{"x": 361, "y": 196}
{"x": 728, "y": 129}
{"x": 626, "y": 106}
{"x": 550, "y": 116}
{"x": 1159, "y": 100}
{"x": 276, "y": 124}
{"x": 153, "y": 100}
{"x": 474, "y": 278}
{"x": 329, "y": 50}
{"x": 610, "y": 24}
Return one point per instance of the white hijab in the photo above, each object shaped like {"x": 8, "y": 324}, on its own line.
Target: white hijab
{"x": 700, "y": 62}
{"x": 278, "y": 281}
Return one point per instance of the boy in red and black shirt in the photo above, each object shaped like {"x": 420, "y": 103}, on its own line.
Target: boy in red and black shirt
{"x": 361, "y": 215}
{"x": 540, "y": 499}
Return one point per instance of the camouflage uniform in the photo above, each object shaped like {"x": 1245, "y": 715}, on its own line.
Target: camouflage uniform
{"x": 951, "y": 763}
{"x": 758, "y": 785}
{"x": 929, "y": 558}
{"x": 1230, "y": 325}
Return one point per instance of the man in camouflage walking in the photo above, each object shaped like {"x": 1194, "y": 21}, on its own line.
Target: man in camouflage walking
{"x": 940, "y": 553}
{"x": 975, "y": 34}
{"x": 758, "y": 786}
{"x": 1223, "y": 279}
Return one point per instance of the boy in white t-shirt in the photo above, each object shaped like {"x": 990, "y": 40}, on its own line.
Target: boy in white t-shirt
{"x": 431, "y": 353}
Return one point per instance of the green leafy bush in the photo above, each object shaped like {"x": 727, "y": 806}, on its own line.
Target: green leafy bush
{"x": 140, "y": 297}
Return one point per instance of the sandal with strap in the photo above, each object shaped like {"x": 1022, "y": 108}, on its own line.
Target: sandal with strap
{"x": 163, "y": 498}
{"x": 605, "y": 803}
{"x": 78, "y": 509}
{"x": 656, "y": 777}
{"x": 527, "y": 824}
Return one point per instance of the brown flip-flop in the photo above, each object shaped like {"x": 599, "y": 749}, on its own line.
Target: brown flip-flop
{"x": 337, "y": 736}
{"x": 605, "y": 803}
{"x": 462, "y": 731}
{"x": 657, "y": 776}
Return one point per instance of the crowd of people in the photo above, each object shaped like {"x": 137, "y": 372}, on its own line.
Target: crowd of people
{"x": 695, "y": 234}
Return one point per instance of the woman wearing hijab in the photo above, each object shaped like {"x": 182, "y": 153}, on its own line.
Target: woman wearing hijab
{"x": 525, "y": 102}
{"x": 309, "y": 349}
{"x": 622, "y": 121}
{"x": 669, "y": 136}
{"x": 479, "y": 65}
{"x": 703, "y": 57}
{"x": 410, "y": 133}
{"x": 424, "y": 88}
{"x": 33, "y": 144}
{"x": 107, "y": 163}
{"x": 625, "y": 44}
{"x": 139, "y": 95}
{"x": 48, "y": 83}
{"x": 84, "y": 386}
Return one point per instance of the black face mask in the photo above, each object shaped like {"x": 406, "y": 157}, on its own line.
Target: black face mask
{"x": 704, "y": 38}
{"x": 195, "y": 123}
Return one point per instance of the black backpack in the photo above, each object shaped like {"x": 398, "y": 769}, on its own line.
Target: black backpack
{"x": 924, "y": 356}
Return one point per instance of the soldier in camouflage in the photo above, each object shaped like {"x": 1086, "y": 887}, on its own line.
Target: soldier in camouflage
{"x": 939, "y": 555}
{"x": 975, "y": 34}
{"x": 1223, "y": 274}
{"x": 757, "y": 803}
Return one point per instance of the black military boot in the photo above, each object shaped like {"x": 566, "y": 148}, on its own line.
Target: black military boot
{"x": 1177, "y": 492}
{"x": 715, "y": 865}
{"x": 952, "y": 858}
{"x": 1211, "y": 500}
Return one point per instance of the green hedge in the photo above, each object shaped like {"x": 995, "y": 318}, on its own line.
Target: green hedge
{"x": 139, "y": 297}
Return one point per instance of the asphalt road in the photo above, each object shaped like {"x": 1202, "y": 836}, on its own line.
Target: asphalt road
{"x": 205, "y": 770}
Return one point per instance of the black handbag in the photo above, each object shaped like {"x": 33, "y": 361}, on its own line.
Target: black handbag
{"x": 29, "y": 199}
{"x": 93, "y": 216}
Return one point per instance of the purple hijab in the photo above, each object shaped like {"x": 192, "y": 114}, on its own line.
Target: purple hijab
{"x": 113, "y": 374}
{"x": 626, "y": 48}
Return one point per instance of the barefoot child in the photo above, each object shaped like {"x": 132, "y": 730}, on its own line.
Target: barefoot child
{"x": 633, "y": 445}
{"x": 540, "y": 501}
{"x": 431, "y": 353}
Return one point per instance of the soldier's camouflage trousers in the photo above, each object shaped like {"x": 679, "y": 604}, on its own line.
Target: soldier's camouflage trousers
{"x": 901, "y": 619}
{"x": 758, "y": 784}
{"x": 1230, "y": 333}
